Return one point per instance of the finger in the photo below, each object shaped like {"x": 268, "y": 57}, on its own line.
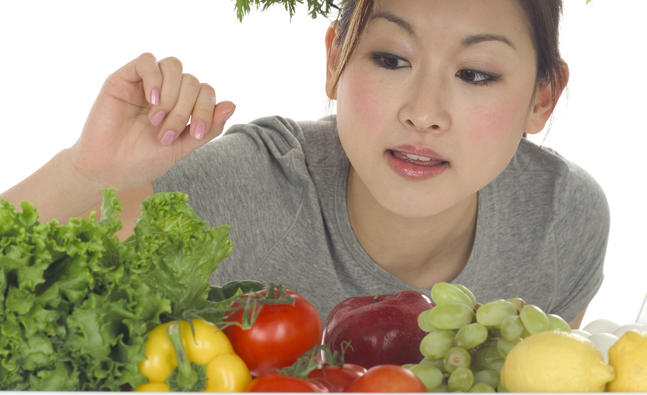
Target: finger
{"x": 203, "y": 111}
{"x": 144, "y": 70}
{"x": 180, "y": 114}
{"x": 171, "y": 80}
{"x": 223, "y": 111}
{"x": 151, "y": 76}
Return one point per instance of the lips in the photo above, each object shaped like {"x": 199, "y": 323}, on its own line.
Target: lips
{"x": 416, "y": 163}
{"x": 420, "y": 160}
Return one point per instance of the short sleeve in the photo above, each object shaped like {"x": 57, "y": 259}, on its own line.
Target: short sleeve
{"x": 252, "y": 179}
{"x": 581, "y": 235}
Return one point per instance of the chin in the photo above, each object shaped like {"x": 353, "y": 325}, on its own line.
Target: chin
{"x": 414, "y": 208}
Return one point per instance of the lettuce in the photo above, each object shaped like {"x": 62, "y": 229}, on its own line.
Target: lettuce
{"x": 76, "y": 304}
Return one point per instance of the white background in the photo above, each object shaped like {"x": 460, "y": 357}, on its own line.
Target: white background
{"x": 55, "y": 55}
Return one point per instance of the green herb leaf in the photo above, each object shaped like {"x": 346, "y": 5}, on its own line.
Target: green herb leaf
{"x": 315, "y": 7}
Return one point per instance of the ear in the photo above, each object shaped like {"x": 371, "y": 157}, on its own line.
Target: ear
{"x": 543, "y": 104}
{"x": 332, "y": 57}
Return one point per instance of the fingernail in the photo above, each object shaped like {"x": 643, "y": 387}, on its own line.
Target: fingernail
{"x": 155, "y": 96}
{"x": 200, "y": 131}
{"x": 158, "y": 118}
{"x": 168, "y": 137}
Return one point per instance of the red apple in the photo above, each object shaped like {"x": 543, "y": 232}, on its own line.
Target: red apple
{"x": 381, "y": 329}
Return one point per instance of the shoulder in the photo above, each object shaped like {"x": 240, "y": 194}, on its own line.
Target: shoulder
{"x": 547, "y": 221}
{"x": 285, "y": 134}
{"x": 541, "y": 193}
{"x": 547, "y": 178}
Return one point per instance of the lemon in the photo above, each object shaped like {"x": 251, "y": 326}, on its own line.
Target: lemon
{"x": 555, "y": 361}
{"x": 628, "y": 356}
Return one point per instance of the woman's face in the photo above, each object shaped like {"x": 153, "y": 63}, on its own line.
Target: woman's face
{"x": 434, "y": 100}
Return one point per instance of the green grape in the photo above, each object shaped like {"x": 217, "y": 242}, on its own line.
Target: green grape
{"x": 423, "y": 321}
{"x": 525, "y": 333}
{"x": 471, "y": 335}
{"x": 492, "y": 313}
{"x": 517, "y": 302}
{"x": 487, "y": 356}
{"x": 497, "y": 365}
{"x": 446, "y": 293}
{"x": 482, "y": 387}
{"x": 439, "y": 363}
{"x": 468, "y": 293}
{"x": 504, "y": 346}
{"x": 558, "y": 323}
{"x": 534, "y": 319}
{"x": 450, "y": 316}
{"x": 457, "y": 357}
{"x": 441, "y": 388}
{"x": 430, "y": 375}
{"x": 501, "y": 388}
{"x": 436, "y": 344}
{"x": 511, "y": 328}
{"x": 487, "y": 376}
{"x": 461, "y": 379}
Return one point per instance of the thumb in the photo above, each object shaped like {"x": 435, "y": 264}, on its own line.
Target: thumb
{"x": 223, "y": 111}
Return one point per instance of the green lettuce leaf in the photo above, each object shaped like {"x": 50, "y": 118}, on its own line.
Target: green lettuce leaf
{"x": 76, "y": 304}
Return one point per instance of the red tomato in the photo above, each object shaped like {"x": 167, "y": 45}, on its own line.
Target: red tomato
{"x": 276, "y": 382}
{"x": 279, "y": 336}
{"x": 337, "y": 378}
{"x": 387, "y": 378}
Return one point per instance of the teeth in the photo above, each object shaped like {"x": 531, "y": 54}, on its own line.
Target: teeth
{"x": 418, "y": 157}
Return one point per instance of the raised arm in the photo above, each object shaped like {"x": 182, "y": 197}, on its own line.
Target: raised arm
{"x": 137, "y": 129}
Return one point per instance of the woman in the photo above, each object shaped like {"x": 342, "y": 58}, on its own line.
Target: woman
{"x": 422, "y": 176}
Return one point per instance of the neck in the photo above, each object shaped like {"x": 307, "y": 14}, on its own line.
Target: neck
{"x": 418, "y": 251}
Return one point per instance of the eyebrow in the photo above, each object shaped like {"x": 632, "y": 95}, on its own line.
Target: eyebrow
{"x": 466, "y": 42}
{"x": 479, "y": 38}
{"x": 395, "y": 19}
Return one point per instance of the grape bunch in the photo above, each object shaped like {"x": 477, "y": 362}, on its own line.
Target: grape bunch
{"x": 467, "y": 342}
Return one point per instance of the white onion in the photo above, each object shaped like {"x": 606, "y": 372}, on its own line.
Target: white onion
{"x": 601, "y": 326}
{"x": 603, "y": 341}
{"x": 626, "y": 328}
{"x": 581, "y": 332}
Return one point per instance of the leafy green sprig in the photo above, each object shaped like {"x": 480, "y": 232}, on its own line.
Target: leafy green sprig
{"x": 315, "y": 7}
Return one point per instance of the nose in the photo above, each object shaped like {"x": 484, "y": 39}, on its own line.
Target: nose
{"x": 425, "y": 105}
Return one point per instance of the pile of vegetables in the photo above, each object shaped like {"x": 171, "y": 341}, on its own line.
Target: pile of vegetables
{"x": 81, "y": 310}
{"x": 76, "y": 303}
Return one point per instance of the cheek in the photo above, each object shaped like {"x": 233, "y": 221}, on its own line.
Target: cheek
{"x": 360, "y": 97}
{"x": 493, "y": 134}
{"x": 501, "y": 119}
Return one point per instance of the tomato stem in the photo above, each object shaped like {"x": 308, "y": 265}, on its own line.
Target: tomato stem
{"x": 276, "y": 294}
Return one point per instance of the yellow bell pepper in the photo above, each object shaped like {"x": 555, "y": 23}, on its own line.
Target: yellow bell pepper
{"x": 207, "y": 361}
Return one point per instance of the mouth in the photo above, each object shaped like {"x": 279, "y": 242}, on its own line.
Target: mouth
{"x": 416, "y": 164}
{"x": 416, "y": 159}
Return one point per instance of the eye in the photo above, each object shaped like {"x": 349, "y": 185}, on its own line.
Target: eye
{"x": 389, "y": 61}
{"x": 476, "y": 77}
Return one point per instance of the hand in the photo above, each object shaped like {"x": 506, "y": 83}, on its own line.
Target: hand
{"x": 138, "y": 127}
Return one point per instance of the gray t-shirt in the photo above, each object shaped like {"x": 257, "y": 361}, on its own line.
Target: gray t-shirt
{"x": 541, "y": 230}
